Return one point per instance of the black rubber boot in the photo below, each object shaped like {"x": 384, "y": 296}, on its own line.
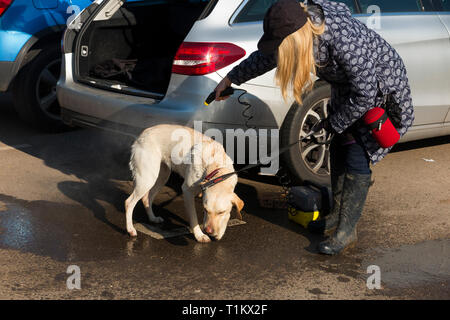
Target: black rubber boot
{"x": 356, "y": 187}
{"x": 329, "y": 223}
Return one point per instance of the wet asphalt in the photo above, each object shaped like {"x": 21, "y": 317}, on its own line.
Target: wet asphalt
{"x": 61, "y": 204}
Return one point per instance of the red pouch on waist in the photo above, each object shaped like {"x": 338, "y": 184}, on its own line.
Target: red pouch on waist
{"x": 381, "y": 127}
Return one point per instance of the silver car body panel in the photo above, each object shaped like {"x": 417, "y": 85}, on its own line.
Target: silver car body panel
{"x": 424, "y": 45}
{"x": 421, "y": 36}
{"x": 445, "y": 18}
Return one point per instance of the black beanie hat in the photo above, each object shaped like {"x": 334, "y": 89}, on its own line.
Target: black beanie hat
{"x": 283, "y": 18}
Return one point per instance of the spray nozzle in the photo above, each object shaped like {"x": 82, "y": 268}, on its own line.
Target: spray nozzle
{"x": 225, "y": 93}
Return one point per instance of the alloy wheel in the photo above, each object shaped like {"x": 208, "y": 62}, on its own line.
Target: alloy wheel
{"x": 315, "y": 156}
{"x": 46, "y": 89}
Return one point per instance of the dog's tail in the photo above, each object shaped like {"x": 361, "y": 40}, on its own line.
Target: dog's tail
{"x": 133, "y": 162}
{"x": 143, "y": 159}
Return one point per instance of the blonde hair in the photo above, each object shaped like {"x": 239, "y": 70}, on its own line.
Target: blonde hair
{"x": 296, "y": 63}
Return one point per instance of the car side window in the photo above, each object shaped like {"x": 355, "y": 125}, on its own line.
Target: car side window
{"x": 392, "y": 6}
{"x": 445, "y": 5}
{"x": 441, "y": 5}
{"x": 255, "y": 10}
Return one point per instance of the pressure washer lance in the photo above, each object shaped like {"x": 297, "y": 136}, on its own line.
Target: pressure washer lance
{"x": 225, "y": 93}
{"x": 228, "y": 92}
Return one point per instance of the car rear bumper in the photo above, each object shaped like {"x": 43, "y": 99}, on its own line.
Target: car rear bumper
{"x": 72, "y": 118}
{"x": 133, "y": 111}
{"x": 183, "y": 104}
{"x": 102, "y": 108}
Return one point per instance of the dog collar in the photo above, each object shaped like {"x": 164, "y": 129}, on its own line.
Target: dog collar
{"x": 210, "y": 183}
{"x": 211, "y": 175}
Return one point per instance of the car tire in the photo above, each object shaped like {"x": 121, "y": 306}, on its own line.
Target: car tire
{"x": 309, "y": 161}
{"x": 34, "y": 90}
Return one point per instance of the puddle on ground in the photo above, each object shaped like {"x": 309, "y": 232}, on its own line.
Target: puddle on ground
{"x": 74, "y": 233}
{"x": 413, "y": 265}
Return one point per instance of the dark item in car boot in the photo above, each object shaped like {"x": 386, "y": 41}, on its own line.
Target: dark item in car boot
{"x": 142, "y": 73}
{"x": 114, "y": 68}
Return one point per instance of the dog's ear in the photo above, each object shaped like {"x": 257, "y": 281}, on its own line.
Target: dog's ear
{"x": 238, "y": 203}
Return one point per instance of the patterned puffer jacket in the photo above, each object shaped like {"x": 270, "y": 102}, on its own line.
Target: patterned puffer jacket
{"x": 360, "y": 66}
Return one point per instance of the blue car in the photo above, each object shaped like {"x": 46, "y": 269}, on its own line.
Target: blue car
{"x": 30, "y": 55}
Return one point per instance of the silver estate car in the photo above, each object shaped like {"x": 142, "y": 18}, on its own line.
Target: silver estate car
{"x": 130, "y": 65}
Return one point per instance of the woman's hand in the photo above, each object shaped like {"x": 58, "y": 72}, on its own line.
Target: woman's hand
{"x": 225, "y": 83}
{"x": 323, "y": 124}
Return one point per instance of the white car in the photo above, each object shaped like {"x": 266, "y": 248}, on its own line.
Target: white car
{"x": 128, "y": 66}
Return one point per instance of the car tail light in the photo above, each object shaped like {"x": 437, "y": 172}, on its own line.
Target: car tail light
{"x": 4, "y": 4}
{"x": 199, "y": 58}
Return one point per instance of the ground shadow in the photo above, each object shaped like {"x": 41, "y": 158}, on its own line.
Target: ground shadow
{"x": 274, "y": 216}
{"x": 98, "y": 160}
{"x": 425, "y": 143}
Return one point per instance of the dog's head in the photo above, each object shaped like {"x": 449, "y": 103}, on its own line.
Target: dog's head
{"x": 218, "y": 202}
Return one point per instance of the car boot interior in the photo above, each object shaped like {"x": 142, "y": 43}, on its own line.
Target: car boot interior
{"x": 136, "y": 46}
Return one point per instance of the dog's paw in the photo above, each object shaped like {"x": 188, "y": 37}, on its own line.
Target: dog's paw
{"x": 156, "y": 220}
{"x": 202, "y": 238}
{"x": 132, "y": 232}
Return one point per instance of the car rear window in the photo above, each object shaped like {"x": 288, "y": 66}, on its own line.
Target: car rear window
{"x": 255, "y": 10}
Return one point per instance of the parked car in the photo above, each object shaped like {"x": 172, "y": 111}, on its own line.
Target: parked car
{"x": 30, "y": 55}
{"x": 147, "y": 62}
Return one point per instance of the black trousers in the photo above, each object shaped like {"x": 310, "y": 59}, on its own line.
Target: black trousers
{"x": 348, "y": 155}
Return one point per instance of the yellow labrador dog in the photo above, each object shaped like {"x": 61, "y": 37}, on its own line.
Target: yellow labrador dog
{"x": 165, "y": 148}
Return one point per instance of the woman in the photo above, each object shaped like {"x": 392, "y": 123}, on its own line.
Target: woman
{"x": 323, "y": 39}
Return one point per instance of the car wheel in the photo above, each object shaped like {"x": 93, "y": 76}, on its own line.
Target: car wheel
{"x": 34, "y": 91}
{"x": 308, "y": 161}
